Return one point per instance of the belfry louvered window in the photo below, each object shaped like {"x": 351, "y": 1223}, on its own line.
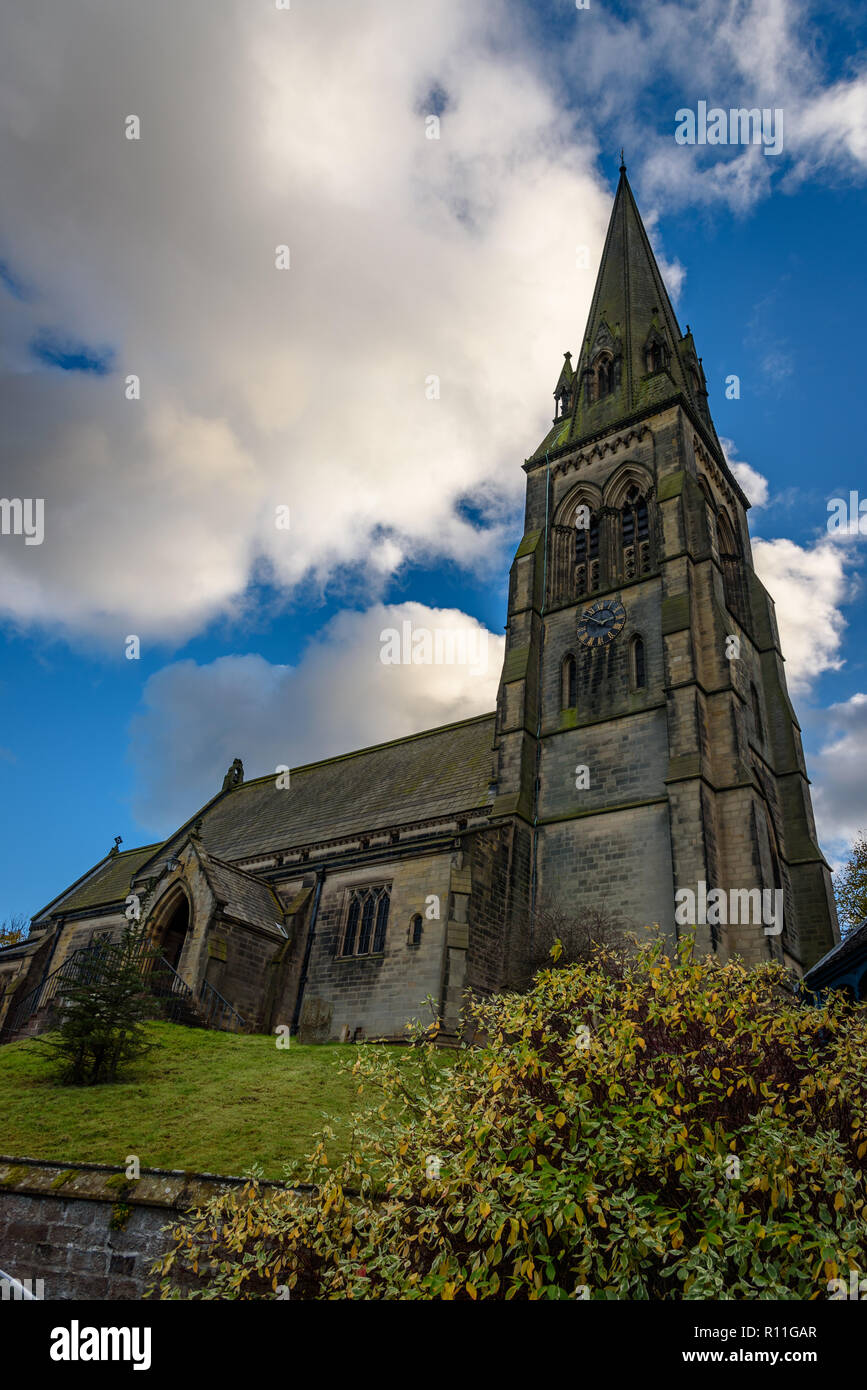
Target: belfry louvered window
{"x": 635, "y": 535}
{"x": 366, "y": 921}
{"x": 587, "y": 558}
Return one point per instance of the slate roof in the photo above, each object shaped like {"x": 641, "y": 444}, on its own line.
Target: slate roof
{"x": 21, "y": 948}
{"x": 241, "y": 894}
{"x": 440, "y": 772}
{"x": 436, "y": 773}
{"x": 837, "y": 959}
{"x": 107, "y": 882}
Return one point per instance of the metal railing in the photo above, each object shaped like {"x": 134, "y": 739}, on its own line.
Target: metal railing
{"x": 176, "y": 998}
{"x": 178, "y": 1001}
{"x": 83, "y": 965}
{"x": 217, "y": 1011}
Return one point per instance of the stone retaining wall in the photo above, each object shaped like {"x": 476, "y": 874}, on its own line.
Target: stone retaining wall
{"x": 88, "y": 1231}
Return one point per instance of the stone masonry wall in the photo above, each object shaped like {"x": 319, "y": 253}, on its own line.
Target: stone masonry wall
{"x": 88, "y": 1232}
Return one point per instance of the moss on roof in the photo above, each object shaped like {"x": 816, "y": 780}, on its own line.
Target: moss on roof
{"x": 107, "y": 882}
{"x": 438, "y": 772}
{"x": 435, "y": 773}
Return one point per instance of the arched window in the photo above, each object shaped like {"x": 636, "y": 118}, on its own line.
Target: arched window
{"x": 655, "y": 357}
{"x": 732, "y": 567}
{"x": 757, "y": 711}
{"x": 587, "y": 557}
{"x": 568, "y": 683}
{"x": 601, "y": 379}
{"x": 416, "y": 927}
{"x": 634, "y": 535}
{"x": 639, "y": 667}
{"x": 366, "y": 921}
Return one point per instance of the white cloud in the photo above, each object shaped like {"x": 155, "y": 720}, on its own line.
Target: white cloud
{"x": 730, "y": 54}
{"x": 833, "y": 121}
{"x": 409, "y": 258}
{"x": 840, "y": 790}
{"x": 341, "y": 696}
{"x": 753, "y": 483}
{"x": 808, "y": 585}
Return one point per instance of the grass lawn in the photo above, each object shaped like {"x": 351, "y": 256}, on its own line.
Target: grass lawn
{"x": 204, "y": 1101}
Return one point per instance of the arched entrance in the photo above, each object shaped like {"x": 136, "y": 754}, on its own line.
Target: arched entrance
{"x": 169, "y": 933}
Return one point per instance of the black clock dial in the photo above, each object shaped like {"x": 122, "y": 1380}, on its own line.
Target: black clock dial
{"x": 601, "y": 622}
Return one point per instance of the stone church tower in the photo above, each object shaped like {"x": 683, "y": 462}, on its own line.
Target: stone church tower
{"x": 644, "y": 733}
{"x": 643, "y": 746}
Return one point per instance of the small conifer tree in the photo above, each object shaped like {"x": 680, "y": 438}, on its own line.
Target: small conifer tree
{"x": 103, "y": 1010}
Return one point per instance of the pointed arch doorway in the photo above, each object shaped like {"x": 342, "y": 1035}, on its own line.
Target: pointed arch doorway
{"x": 169, "y": 933}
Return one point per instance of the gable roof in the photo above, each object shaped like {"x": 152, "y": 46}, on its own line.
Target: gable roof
{"x": 436, "y": 773}
{"x": 439, "y": 772}
{"x": 241, "y": 894}
{"x": 107, "y": 882}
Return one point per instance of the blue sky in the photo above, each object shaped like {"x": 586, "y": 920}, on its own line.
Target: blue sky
{"x": 409, "y": 257}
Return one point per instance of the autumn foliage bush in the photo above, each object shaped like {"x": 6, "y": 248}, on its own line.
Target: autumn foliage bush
{"x": 639, "y": 1126}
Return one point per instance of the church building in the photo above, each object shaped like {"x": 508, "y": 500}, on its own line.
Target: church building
{"x": 643, "y": 745}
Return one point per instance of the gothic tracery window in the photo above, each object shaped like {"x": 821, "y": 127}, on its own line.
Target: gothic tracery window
{"x": 635, "y": 535}
{"x": 602, "y": 377}
{"x": 366, "y": 921}
{"x": 732, "y": 567}
{"x": 587, "y": 557}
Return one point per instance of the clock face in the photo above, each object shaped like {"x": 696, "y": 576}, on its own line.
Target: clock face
{"x": 600, "y": 623}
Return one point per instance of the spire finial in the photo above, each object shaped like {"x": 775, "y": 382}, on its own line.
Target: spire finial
{"x": 622, "y": 162}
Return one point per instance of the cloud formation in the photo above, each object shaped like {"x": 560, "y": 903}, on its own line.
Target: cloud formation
{"x": 838, "y": 769}
{"x": 753, "y": 483}
{"x": 808, "y": 584}
{"x": 730, "y": 54}
{"x": 404, "y": 360}
{"x": 397, "y": 366}
{"x": 341, "y": 696}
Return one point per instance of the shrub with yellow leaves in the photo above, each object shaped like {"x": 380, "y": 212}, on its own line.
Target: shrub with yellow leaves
{"x": 636, "y": 1126}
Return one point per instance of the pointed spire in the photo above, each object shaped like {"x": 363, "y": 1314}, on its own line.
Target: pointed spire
{"x": 633, "y": 354}
{"x": 563, "y": 390}
{"x": 566, "y": 372}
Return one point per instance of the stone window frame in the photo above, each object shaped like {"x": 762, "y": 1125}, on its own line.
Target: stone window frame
{"x": 637, "y": 641}
{"x": 358, "y": 892}
{"x": 415, "y": 931}
{"x": 732, "y": 566}
{"x": 758, "y": 722}
{"x": 569, "y": 682}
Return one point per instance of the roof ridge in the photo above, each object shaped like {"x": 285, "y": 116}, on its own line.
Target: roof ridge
{"x": 227, "y": 864}
{"x": 373, "y": 748}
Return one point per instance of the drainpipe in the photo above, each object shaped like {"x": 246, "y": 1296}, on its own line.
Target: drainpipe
{"x": 538, "y": 760}
{"x": 311, "y": 932}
